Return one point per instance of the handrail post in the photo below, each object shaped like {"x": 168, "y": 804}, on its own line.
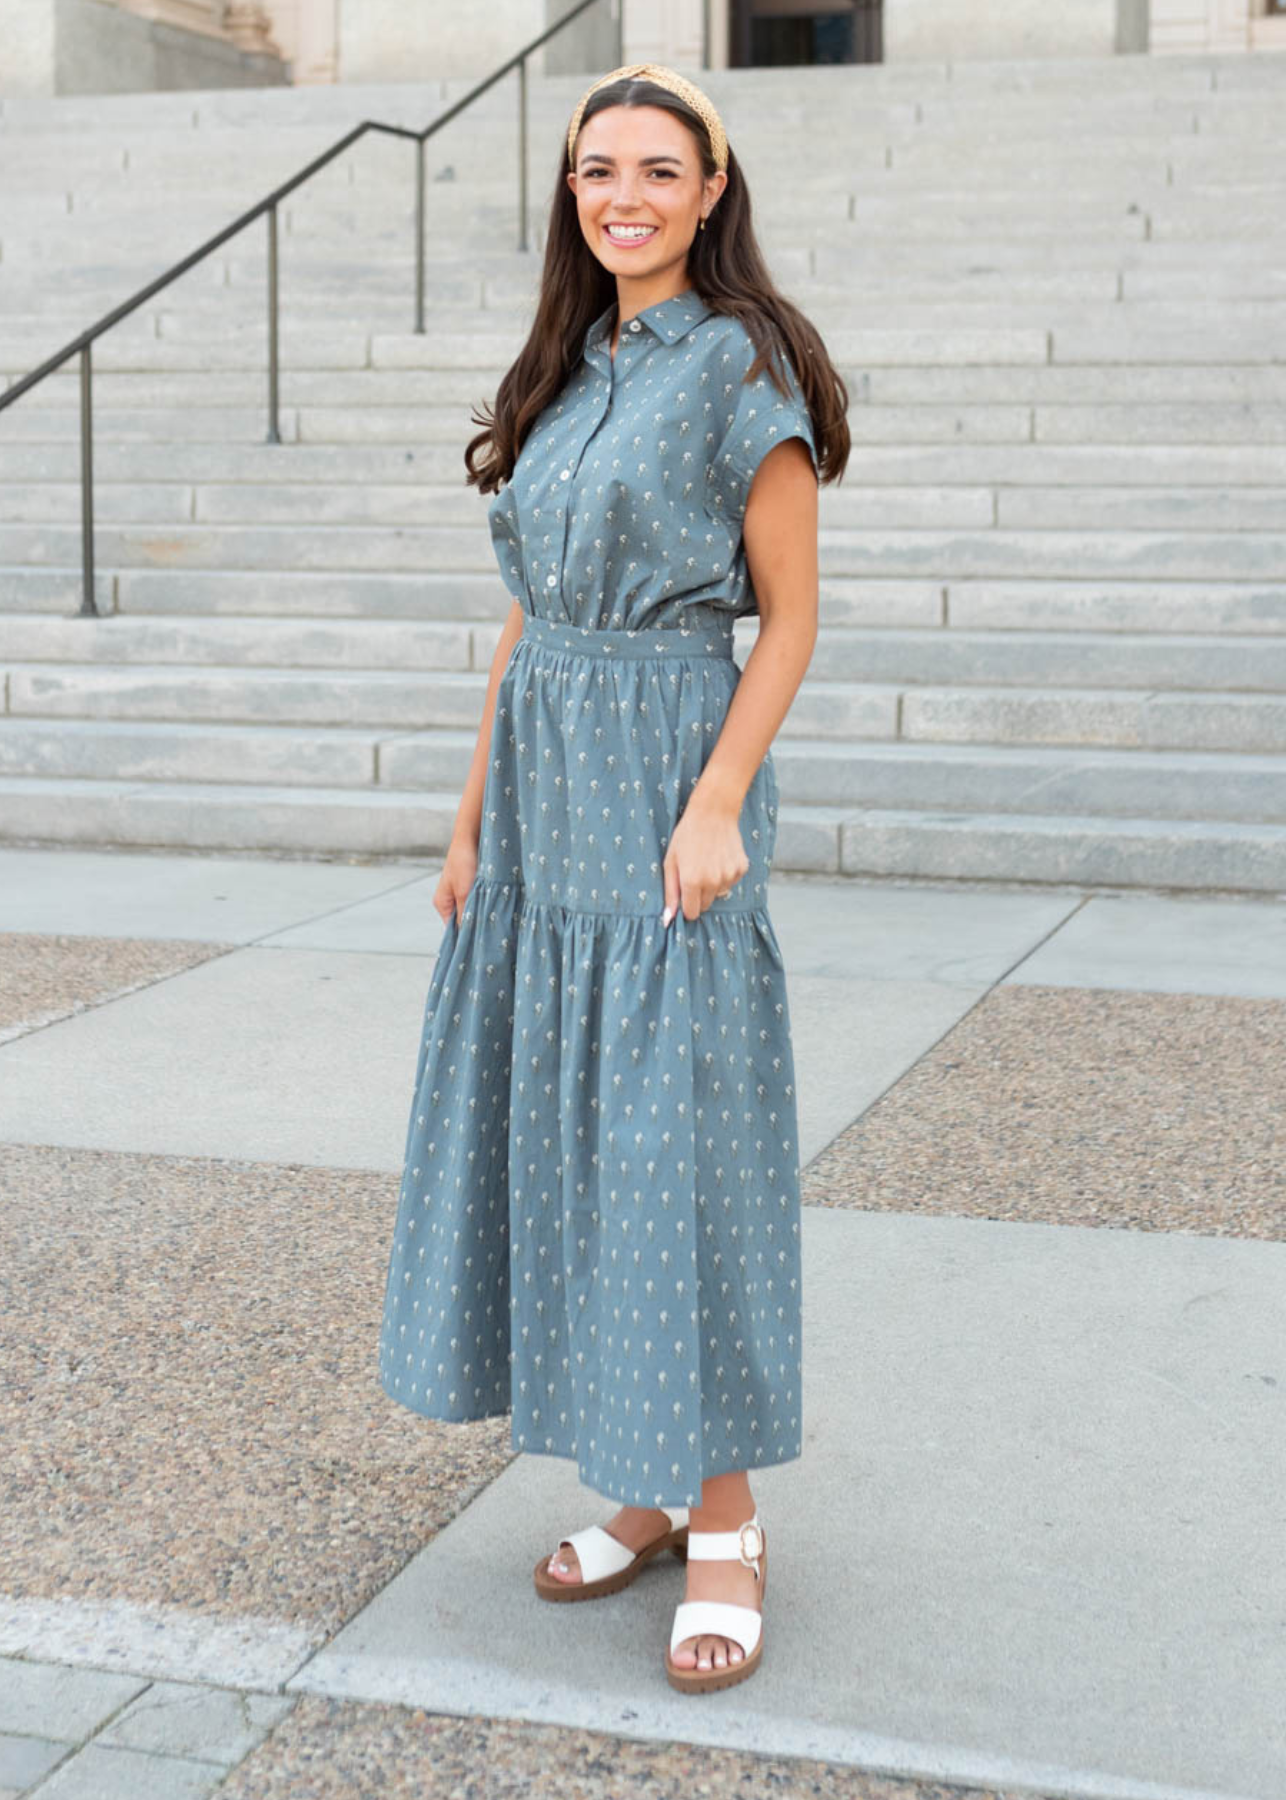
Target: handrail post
{"x": 618, "y": 13}
{"x": 522, "y": 154}
{"x": 87, "y": 607}
{"x": 419, "y": 234}
{"x": 274, "y": 420}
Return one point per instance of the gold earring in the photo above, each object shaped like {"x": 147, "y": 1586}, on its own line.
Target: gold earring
{"x": 702, "y": 225}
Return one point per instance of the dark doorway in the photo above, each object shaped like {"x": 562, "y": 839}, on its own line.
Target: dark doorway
{"x": 767, "y": 33}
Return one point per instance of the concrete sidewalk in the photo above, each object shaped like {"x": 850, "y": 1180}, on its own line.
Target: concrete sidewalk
{"x": 1036, "y": 1538}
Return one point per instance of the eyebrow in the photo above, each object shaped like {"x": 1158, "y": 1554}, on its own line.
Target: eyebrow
{"x": 646, "y": 161}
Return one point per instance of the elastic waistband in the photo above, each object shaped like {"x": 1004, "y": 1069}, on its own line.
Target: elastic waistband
{"x": 649, "y": 641}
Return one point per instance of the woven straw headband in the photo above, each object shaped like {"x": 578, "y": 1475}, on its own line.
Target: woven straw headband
{"x": 666, "y": 78}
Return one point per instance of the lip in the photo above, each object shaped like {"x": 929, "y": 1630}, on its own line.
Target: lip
{"x": 622, "y": 242}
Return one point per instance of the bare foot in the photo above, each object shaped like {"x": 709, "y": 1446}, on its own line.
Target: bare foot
{"x": 633, "y": 1526}
{"x": 729, "y": 1581}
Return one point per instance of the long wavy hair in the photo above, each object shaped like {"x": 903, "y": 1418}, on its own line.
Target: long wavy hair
{"x": 728, "y": 271}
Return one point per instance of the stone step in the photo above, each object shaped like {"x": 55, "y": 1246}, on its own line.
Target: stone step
{"x": 1084, "y": 850}
{"x": 811, "y": 772}
{"x": 1247, "y": 664}
{"x": 370, "y": 297}
{"x": 287, "y": 593}
{"x": 1209, "y": 468}
{"x": 923, "y": 712}
{"x": 393, "y": 698}
{"x": 1111, "y": 718}
{"x": 355, "y": 345}
{"x": 926, "y": 424}
{"x": 978, "y": 778}
{"x": 323, "y": 822}
{"x": 921, "y": 506}
{"x": 256, "y": 643}
{"x": 986, "y": 778}
{"x": 1159, "y": 607}
{"x": 466, "y": 548}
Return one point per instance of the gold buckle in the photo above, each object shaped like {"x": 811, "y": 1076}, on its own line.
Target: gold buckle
{"x": 751, "y": 1556}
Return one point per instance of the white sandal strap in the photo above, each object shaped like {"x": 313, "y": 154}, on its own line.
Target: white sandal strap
{"x": 600, "y": 1554}
{"x": 743, "y": 1545}
{"x": 716, "y": 1618}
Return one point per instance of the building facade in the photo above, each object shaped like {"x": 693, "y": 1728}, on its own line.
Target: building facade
{"x": 87, "y": 46}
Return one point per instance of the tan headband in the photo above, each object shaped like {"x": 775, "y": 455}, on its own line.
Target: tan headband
{"x": 677, "y": 84}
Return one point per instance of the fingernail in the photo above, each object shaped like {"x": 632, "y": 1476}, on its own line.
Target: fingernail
{"x": 665, "y": 916}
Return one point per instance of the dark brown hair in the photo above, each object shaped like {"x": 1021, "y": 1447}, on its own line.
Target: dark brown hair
{"x": 725, "y": 266}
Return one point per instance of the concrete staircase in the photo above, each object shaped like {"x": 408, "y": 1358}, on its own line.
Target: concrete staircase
{"x": 1053, "y": 640}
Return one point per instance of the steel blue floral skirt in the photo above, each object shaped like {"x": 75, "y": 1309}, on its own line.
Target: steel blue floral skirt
{"x": 598, "y": 1223}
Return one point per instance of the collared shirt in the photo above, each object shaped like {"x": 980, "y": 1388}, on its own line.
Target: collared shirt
{"x": 627, "y": 502}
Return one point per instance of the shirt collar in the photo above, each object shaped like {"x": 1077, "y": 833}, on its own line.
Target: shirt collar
{"x": 668, "y": 320}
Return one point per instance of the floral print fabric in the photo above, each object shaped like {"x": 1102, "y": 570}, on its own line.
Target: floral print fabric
{"x": 598, "y": 1222}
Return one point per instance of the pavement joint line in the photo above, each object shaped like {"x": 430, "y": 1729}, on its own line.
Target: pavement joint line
{"x": 1077, "y": 906}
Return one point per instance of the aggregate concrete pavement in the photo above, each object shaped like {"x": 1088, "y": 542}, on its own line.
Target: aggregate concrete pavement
{"x": 1034, "y": 1544}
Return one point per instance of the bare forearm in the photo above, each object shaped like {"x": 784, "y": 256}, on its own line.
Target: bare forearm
{"x": 769, "y": 682}
{"x": 468, "y": 822}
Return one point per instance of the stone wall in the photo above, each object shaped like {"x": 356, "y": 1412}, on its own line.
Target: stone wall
{"x": 100, "y": 47}
{"x": 954, "y": 30}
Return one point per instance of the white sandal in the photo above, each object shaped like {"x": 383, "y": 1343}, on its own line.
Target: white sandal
{"x": 721, "y": 1618}
{"x": 606, "y": 1564}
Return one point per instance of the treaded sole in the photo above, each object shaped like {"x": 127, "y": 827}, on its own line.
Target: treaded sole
{"x": 548, "y": 1587}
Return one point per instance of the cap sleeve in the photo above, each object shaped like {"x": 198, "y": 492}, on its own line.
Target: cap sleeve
{"x": 761, "y": 418}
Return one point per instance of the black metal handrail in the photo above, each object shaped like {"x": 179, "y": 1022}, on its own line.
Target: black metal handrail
{"x": 82, "y": 346}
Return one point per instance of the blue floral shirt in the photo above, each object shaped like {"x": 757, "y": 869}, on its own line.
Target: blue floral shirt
{"x": 626, "y": 505}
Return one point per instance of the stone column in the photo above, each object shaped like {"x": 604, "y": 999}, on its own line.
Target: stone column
{"x": 245, "y": 24}
{"x": 307, "y": 31}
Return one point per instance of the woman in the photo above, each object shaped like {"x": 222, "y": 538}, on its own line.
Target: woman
{"x": 599, "y": 1215}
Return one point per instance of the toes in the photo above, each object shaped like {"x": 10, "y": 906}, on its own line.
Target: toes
{"x": 563, "y": 1566}
{"x": 707, "y": 1653}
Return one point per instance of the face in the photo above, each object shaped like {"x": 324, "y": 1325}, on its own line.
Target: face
{"x": 638, "y": 167}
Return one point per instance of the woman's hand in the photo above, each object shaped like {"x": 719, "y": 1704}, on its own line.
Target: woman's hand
{"x": 704, "y": 859}
{"x": 457, "y": 877}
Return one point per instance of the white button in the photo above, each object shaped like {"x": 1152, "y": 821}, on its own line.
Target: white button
{"x": 635, "y": 326}
{"x": 566, "y": 475}
{"x": 552, "y": 582}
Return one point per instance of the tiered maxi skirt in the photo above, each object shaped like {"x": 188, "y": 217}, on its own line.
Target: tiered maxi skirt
{"x": 598, "y": 1222}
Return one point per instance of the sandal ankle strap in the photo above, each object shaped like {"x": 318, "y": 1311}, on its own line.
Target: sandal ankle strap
{"x": 744, "y": 1545}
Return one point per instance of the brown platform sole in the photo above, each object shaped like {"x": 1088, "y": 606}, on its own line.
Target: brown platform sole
{"x": 704, "y": 1681}
{"x": 550, "y": 1588}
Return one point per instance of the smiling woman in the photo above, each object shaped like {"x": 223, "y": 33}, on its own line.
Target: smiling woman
{"x": 599, "y": 1217}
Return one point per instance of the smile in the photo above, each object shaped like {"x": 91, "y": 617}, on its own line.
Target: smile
{"x": 630, "y": 234}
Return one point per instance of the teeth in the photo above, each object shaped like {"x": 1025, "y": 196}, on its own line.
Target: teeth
{"x": 632, "y": 231}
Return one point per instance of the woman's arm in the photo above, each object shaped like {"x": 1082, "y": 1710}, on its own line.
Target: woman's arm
{"x": 780, "y": 527}
{"x": 468, "y": 823}
{"x": 461, "y": 863}
{"x": 781, "y": 551}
